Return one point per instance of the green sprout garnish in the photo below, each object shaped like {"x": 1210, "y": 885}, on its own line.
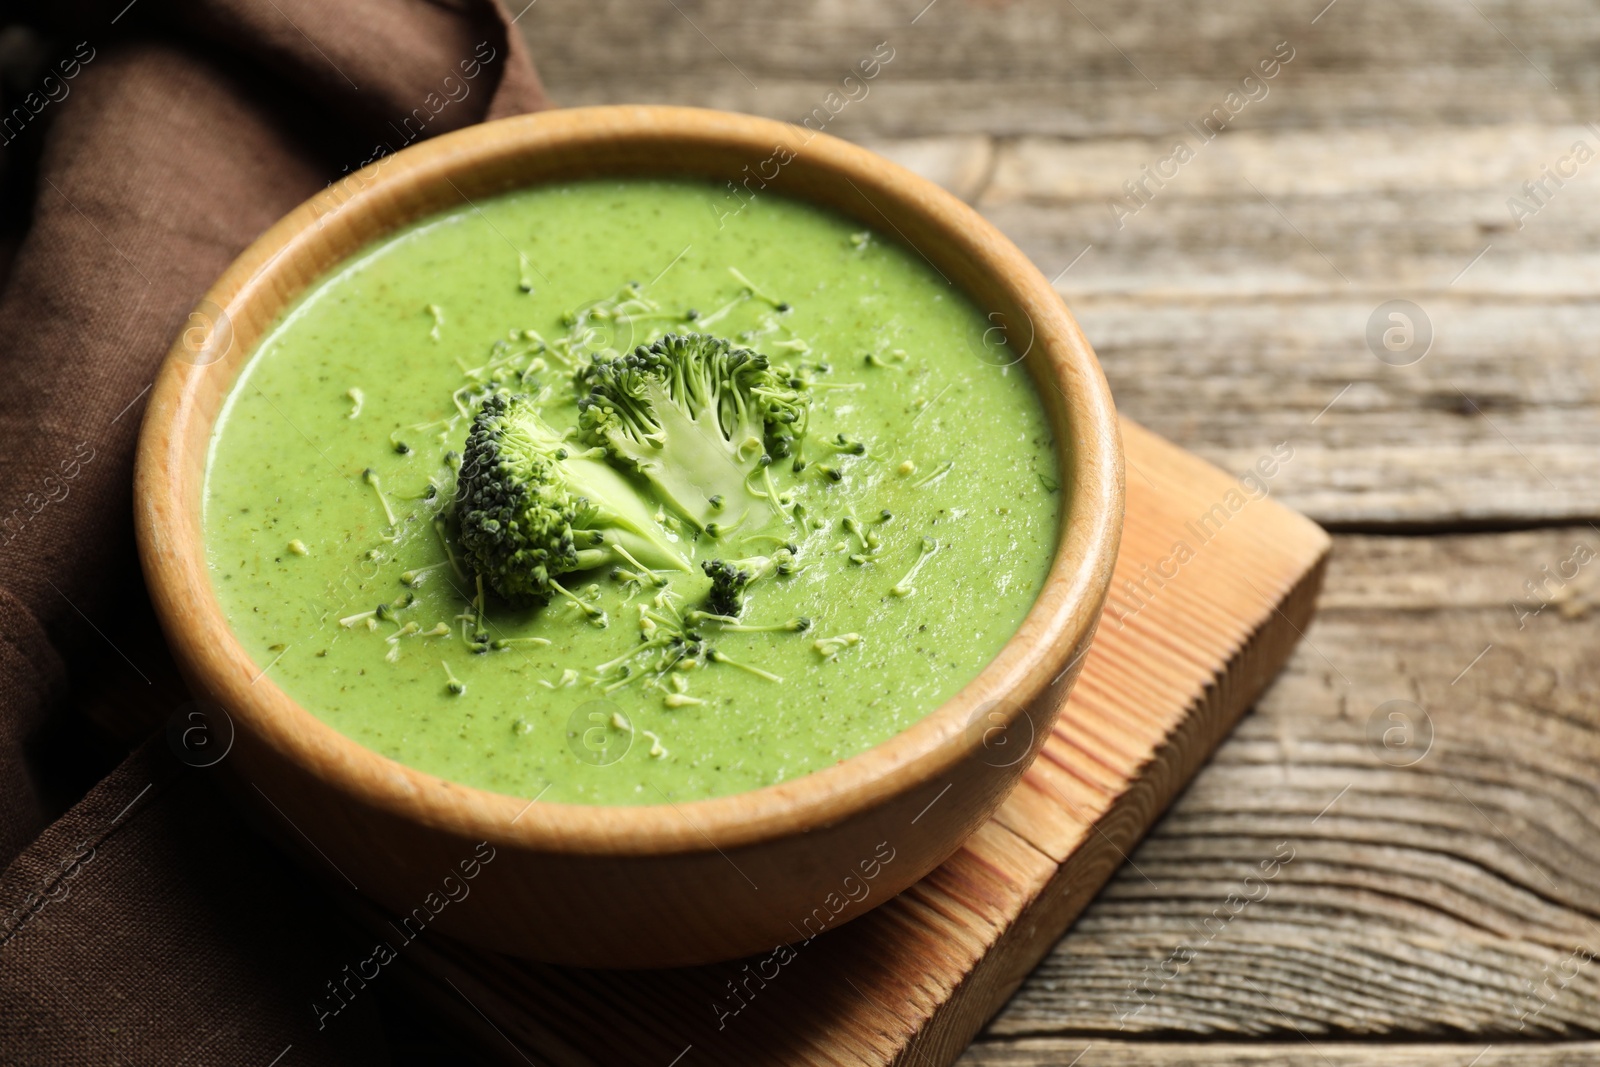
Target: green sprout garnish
{"x": 830, "y": 647}
{"x": 454, "y": 685}
{"x": 370, "y": 476}
{"x": 904, "y": 587}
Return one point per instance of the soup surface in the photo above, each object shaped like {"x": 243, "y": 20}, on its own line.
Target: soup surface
{"x": 378, "y": 368}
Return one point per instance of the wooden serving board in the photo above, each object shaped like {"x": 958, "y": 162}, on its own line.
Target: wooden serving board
{"x": 1172, "y": 668}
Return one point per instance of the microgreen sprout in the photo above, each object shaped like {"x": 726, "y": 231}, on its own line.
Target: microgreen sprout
{"x": 370, "y": 476}
{"x": 830, "y": 647}
{"x": 719, "y": 657}
{"x": 903, "y": 587}
{"x": 454, "y": 685}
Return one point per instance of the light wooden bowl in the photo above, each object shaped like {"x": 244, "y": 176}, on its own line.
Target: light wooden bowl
{"x": 663, "y": 884}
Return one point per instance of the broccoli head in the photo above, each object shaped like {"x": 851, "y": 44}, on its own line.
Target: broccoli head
{"x": 728, "y": 582}
{"x": 700, "y": 420}
{"x": 530, "y": 508}
{"x": 730, "y": 579}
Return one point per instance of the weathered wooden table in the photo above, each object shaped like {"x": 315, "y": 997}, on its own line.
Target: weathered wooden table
{"x": 1426, "y": 766}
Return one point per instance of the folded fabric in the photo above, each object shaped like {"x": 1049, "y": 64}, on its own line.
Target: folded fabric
{"x": 147, "y": 925}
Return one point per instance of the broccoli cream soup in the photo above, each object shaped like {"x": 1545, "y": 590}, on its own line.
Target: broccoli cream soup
{"x": 600, "y": 493}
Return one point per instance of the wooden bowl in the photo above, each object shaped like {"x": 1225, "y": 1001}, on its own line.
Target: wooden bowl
{"x": 664, "y": 884}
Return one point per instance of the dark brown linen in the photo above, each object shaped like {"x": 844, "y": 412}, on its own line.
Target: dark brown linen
{"x": 147, "y": 925}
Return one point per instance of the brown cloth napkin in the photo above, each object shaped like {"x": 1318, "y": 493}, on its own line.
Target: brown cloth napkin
{"x": 146, "y": 924}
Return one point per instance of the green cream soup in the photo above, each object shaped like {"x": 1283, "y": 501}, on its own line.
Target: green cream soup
{"x": 379, "y": 369}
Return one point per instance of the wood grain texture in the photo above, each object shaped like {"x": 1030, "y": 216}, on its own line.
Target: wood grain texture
{"x": 1434, "y": 888}
{"x": 1073, "y": 70}
{"x": 911, "y": 982}
{"x": 1062, "y": 1052}
{"x": 1231, "y": 310}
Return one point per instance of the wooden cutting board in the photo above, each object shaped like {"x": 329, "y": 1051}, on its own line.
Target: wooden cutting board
{"x": 1214, "y": 586}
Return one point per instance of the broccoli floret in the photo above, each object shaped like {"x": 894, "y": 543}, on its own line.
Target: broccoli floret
{"x": 701, "y": 420}
{"x": 728, "y": 583}
{"x": 729, "y": 579}
{"x": 530, "y": 509}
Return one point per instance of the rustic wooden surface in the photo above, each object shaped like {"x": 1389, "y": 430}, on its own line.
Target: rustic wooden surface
{"x": 1229, "y": 314}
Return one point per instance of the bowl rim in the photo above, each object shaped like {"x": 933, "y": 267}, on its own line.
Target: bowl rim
{"x": 1044, "y": 649}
